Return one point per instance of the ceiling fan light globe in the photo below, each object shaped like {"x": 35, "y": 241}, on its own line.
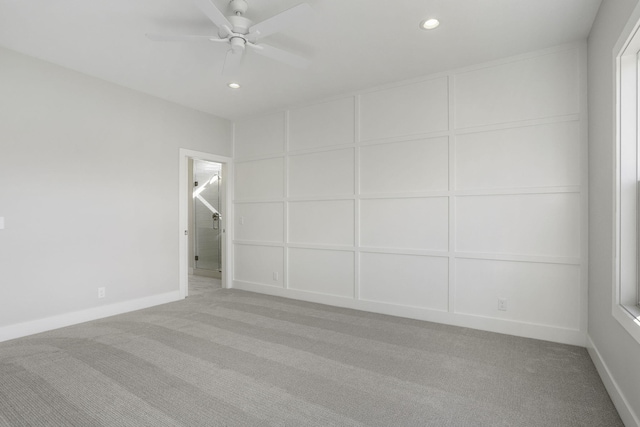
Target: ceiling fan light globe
{"x": 237, "y": 44}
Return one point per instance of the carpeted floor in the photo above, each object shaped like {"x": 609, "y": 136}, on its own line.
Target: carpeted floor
{"x": 233, "y": 358}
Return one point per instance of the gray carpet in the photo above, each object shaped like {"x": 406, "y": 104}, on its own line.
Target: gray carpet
{"x": 234, "y": 358}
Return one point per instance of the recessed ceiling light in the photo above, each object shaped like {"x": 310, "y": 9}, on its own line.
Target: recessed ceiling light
{"x": 429, "y": 24}
{"x": 234, "y": 85}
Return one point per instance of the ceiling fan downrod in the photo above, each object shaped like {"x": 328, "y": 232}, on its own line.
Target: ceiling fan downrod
{"x": 239, "y": 7}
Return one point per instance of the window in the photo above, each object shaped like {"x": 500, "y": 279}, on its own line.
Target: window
{"x": 626, "y": 290}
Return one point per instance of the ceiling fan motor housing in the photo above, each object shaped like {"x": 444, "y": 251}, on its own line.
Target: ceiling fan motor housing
{"x": 240, "y": 24}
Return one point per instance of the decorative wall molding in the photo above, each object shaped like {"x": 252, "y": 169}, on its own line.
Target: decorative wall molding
{"x": 482, "y": 169}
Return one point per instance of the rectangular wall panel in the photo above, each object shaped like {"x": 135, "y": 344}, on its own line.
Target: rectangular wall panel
{"x": 547, "y": 294}
{"x": 546, "y": 155}
{"x": 405, "y": 110}
{"x": 322, "y": 271}
{"x": 409, "y": 280}
{"x": 260, "y": 222}
{"x": 257, "y": 264}
{"x": 322, "y": 125}
{"x": 259, "y": 136}
{"x": 543, "y": 86}
{"x": 381, "y": 181}
{"x": 411, "y": 223}
{"x": 531, "y": 224}
{"x": 328, "y": 173}
{"x": 407, "y": 166}
{"x": 322, "y": 222}
{"x": 260, "y": 179}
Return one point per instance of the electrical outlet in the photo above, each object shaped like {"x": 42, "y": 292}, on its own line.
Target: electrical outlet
{"x": 275, "y": 275}
{"x": 241, "y": 220}
{"x": 101, "y": 292}
{"x": 502, "y": 304}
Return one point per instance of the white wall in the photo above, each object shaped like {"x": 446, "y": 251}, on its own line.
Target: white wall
{"x": 89, "y": 191}
{"x": 430, "y": 198}
{"x": 615, "y": 352}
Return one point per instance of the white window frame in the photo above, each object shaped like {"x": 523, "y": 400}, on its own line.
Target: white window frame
{"x": 626, "y": 292}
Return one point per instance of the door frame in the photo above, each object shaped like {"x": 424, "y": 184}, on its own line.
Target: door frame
{"x": 226, "y": 190}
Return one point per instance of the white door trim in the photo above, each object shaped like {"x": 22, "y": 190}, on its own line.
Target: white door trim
{"x": 226, "y": 213}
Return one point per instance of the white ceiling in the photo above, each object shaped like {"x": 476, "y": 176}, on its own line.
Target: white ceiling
{"x": 353, "y": 44}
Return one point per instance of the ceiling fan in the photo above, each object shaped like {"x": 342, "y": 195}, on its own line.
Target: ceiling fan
{"x": 240, "y": 32}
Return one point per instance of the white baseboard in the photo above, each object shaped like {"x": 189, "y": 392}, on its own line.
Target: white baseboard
{"x": 629, "y": 417}
{"x": 54, "y": 322}
{"x": 521, "y": 329}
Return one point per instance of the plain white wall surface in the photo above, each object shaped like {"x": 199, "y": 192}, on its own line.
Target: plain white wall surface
{"x": 89, "y": 174}
{"x": 405, "y": 167}
{"x": 550, "y": 86}
{"x": 327, "y": 173}
{"x": 617, "y": 352}
{"x": 532, "y": 156}
{"x": 404, "y": 110}
{"x": 261, "y": 179}
{"x": 429, "y": 198}
{"x": 269, "y": 139}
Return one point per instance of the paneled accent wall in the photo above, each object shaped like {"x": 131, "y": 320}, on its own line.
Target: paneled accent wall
{"x": 429, "y": 199}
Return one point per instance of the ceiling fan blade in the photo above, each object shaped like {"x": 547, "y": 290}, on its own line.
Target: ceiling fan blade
{"x": 181, "y": 38}
{"x": 214, "y": 14}
{"x": 231, "y": 62}
{"x": 281, "y": 55}
{"x": 276, "y": 23}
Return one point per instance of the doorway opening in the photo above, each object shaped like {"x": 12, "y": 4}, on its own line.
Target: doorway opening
{"x": 205, "y": 219}
{"x": 205, "y": 201}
